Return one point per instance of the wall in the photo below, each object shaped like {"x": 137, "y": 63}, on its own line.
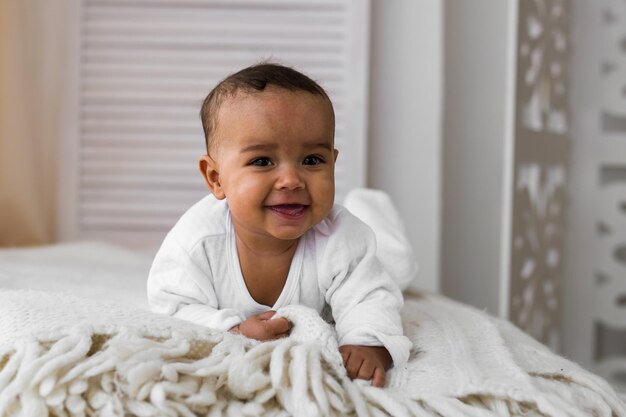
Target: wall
{"x": 473, "y": 149}
{"x": 29, "y": 118}
{"x": 405, "y": 120}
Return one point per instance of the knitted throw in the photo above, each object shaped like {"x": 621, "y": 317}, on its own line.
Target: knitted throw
{"x": 65, "y": 356}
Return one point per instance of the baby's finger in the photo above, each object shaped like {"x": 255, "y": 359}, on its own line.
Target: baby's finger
{"x": 366, "y": 371}
{"x": 379, "y": 378}
{"x": 280, "y": 325}
{"x": 353, "y": 366}
{"x": 345, "y": 354}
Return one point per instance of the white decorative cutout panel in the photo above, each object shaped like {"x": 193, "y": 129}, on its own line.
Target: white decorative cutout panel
{"x": 609, "y": 282}
{"x": 614, "y": 76}
{"x": 540, "y": 145}
{"x": 535, "y": 301}
{"x": 542, "y": 63}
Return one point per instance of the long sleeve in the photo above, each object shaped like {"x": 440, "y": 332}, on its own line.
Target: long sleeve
{"x": 178, "y": 286}
{"x": 365, "y": 301}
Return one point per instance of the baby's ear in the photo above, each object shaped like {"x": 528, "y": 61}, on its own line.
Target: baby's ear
{"x": 209, "y": 170}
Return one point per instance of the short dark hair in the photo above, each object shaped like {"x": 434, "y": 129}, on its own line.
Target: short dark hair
{"x": 253, "y": 79}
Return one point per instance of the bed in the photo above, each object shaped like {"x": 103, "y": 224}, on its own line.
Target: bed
{"x": 77, "y": 339}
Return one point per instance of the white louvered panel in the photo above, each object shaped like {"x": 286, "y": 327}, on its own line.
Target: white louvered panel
{"x": 146, "y": 65}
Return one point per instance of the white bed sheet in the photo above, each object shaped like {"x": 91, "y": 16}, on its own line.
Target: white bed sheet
{"x": 86, "y": 269}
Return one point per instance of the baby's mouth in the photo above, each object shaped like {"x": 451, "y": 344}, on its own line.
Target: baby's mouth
{"x": 289, "y": 210}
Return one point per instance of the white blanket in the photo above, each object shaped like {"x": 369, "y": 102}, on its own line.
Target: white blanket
{"x": 75, "y": 356}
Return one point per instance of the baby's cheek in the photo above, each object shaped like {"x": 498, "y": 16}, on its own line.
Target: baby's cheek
{"x": 248, "y": 191}
{"x": 325, "y": 191}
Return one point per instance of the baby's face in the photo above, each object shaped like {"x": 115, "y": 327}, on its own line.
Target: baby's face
{"x": 275, "y": 162}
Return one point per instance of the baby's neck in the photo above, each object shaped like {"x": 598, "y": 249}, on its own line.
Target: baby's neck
{"x": 265, "y": 268}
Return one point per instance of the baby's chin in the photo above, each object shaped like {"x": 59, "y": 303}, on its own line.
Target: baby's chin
{"x": 288, "y": 235}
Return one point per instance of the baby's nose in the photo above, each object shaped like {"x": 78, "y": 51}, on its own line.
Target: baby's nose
{"x": 290, "y": 178}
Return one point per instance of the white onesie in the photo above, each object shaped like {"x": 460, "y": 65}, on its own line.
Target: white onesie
{"x": 196, "y": 277}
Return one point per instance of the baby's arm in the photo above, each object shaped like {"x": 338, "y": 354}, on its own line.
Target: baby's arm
{"x": 181, "y": 287}
{"x": 364, "y": 299}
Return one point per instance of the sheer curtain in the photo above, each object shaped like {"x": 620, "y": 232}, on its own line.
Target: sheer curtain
{"x": 32, "y": 56}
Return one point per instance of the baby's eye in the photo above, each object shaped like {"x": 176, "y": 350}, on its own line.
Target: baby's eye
{"x": 261, "y": 162}
{"x": 312, "y": 160}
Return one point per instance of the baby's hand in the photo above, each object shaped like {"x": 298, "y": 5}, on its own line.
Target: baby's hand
{"x": 261, "y": 327}
{"x": 366, "y": 362}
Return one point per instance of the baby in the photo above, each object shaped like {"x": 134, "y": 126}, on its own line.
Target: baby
{"x": 270, "y": 235}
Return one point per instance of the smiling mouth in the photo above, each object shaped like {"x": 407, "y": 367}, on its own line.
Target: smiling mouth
{"x": 291, "y": 211}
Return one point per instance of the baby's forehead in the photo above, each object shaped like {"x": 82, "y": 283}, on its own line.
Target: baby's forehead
{"x": 237, "y": 96}
{"x": 273, "y": 110}
{"x": 272, "y": 100}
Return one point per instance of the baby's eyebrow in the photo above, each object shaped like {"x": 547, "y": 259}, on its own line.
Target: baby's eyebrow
{"x": 266, "y": 147}
{"x": 258, "y": 147}
{"x": 324, "y": 145}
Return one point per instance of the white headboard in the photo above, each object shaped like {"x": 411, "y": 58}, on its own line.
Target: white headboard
{"x": 140, "y": 70}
